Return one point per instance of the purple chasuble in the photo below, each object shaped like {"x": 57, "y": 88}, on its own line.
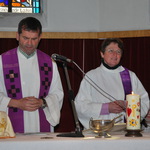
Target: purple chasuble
{"x": 126, "y": 81}
{"x": 13, "y": 86}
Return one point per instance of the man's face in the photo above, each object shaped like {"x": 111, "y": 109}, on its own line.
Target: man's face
{"x": 28, "y": 41}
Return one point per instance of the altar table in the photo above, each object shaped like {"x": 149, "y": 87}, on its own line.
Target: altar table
{"x": 49, "y": 141}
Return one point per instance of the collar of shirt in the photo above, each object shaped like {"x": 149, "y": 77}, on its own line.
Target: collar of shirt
{"x": 117, "y": 70}
{"x": 26, "y": 55}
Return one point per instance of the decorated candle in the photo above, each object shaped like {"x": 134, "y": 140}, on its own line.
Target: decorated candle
{"x": 133, "y": 112}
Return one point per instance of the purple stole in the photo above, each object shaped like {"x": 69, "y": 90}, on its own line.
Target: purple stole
{"x": 12, "y": 81}
{"x": 126, "y": 81}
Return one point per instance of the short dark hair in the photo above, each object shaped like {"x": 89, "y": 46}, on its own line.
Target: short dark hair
{"x": 106, "y": 42}
{"x": 29, "y": 24}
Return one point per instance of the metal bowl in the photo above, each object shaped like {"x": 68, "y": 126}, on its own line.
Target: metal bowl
{"x": 99, "y": 126}
{"x": 102, "y": 126}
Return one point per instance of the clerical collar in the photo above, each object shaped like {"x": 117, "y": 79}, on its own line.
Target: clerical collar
{"x": 26, "y": 55}
{"x": 108, "y": 67}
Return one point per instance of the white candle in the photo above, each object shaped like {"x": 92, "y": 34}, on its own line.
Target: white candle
{"x": 133, "y": 112}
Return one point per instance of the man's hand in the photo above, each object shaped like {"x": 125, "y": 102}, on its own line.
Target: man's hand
{"x": 27, "y": 103}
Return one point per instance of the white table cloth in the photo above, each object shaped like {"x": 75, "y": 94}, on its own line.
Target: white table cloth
{"x": 49, "y": 141}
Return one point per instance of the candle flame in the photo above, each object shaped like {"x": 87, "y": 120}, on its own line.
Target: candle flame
{"x": 132, "y": 92}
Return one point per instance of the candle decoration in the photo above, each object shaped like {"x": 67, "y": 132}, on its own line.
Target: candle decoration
{"x": 133, "y": 115}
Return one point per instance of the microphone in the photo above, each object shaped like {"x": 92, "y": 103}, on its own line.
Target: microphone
{"x": 61, "y": 58}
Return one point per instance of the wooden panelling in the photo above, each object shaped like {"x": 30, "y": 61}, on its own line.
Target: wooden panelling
{"x": 84, "y": 35}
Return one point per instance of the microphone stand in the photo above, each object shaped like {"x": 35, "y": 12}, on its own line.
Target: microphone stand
{"x": 78, "y": 131}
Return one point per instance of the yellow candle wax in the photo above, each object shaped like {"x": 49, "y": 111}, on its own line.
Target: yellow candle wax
{"x": 133, "y": 112}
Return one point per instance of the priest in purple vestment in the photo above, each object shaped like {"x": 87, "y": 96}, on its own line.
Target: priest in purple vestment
{"x": 30, "y": 85}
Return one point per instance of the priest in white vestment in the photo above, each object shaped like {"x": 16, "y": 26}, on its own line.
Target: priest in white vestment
{"x": 103, "y": 90}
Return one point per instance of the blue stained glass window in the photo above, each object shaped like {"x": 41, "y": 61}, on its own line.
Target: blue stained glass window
{"x": 36, "y": 6}
{"x": 20, "y": 6}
